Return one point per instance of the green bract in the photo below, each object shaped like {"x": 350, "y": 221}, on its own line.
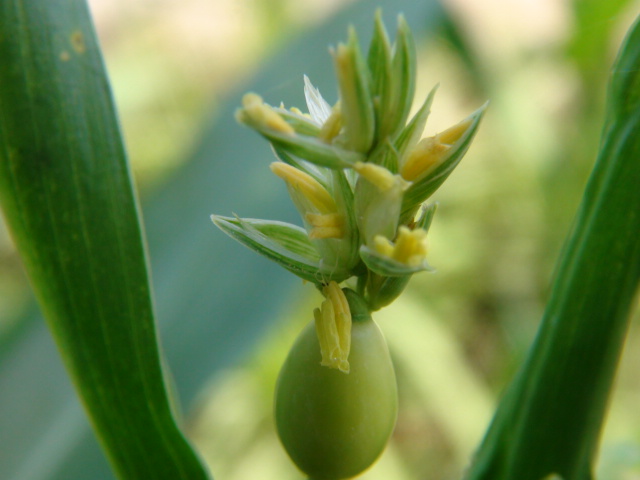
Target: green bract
{"x": 335, "y": 425}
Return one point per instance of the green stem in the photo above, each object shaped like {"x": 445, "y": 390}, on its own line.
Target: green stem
{"x": 381, "y": 291}
{"x": 361, "y": 284}
{"x": 357, "y": 305}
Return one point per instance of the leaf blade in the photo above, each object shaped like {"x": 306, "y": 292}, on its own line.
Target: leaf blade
{"x": 67, "y": 196}
{"x": 550, "y": 419}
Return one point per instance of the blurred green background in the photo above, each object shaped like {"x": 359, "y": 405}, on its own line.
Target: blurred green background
{"x": 227, "y": 317}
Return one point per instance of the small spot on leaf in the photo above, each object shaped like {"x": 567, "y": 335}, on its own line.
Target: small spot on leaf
{"x": 77, "y": 42}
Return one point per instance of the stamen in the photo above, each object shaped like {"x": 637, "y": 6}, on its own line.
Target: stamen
{"x": 325, "y": 220}
{"x": 409, "y": 249}
{"x": 332, "y": 126}
{"x": 430, "y": 151}
{"x": 379, "y": 176}
{"x": 330, "y": 225}
{"x": 383, "y": 245}
{"x": 411, "y": 246}
{"x": 452, "y": 134}
{"x": 333, "y": 327}
{"x": 307, "y": 185}
{"x": 262, "y": 115}
{"x": 322, "y": 233}
{"x": 427, "y": 154}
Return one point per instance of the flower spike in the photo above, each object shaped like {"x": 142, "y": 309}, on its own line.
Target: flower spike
{"x": 358, "y": 173}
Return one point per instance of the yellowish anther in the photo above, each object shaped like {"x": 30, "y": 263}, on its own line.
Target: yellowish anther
{"x": 308, "y": 186}
{"x": 431, "y": 151}
{"x": 332, "y": 126}
{"x": 383, "y": 245}
{"x": 322, "y": 233}
{"x": 333, "y": 327}
{"x": 411, "y": 246}
{"x": 379, "y": 176}
{"x": 259, "y": 113}
{"x": 329, "y": 225}
{"x": 409, "y": 249}
{"x": 249, "y": 99}
{"x": 427, "y": 155}
{"x": 452, "y": 134}
{"x": 344, "y": 63}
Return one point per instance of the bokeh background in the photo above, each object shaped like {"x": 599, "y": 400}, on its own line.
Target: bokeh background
{"x": 227, "y": 317}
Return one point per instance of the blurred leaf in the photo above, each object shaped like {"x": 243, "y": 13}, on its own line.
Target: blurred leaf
{"x": 208, "y": 319}
{"x": 550, "y": 418}
{"x": 428, "y": 355}
{"x": 457, "y": 39}
{"x": 67, "y": 197}
{"x": 589, "y": 44}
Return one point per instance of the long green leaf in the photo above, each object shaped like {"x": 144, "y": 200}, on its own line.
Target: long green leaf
{"x": 550, "y": 418}
{"x": 67, "y": 197}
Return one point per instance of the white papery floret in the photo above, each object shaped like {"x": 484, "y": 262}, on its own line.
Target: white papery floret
{"x": 318, "y": 107}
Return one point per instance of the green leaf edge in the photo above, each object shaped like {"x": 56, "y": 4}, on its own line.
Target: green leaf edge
{"x": 286, "y": 244}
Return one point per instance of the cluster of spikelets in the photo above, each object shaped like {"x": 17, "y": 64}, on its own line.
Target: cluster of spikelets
{"x": 358, "y": 172}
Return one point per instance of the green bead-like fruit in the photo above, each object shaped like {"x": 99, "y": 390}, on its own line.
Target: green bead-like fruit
{"x": 335, "y": 425}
